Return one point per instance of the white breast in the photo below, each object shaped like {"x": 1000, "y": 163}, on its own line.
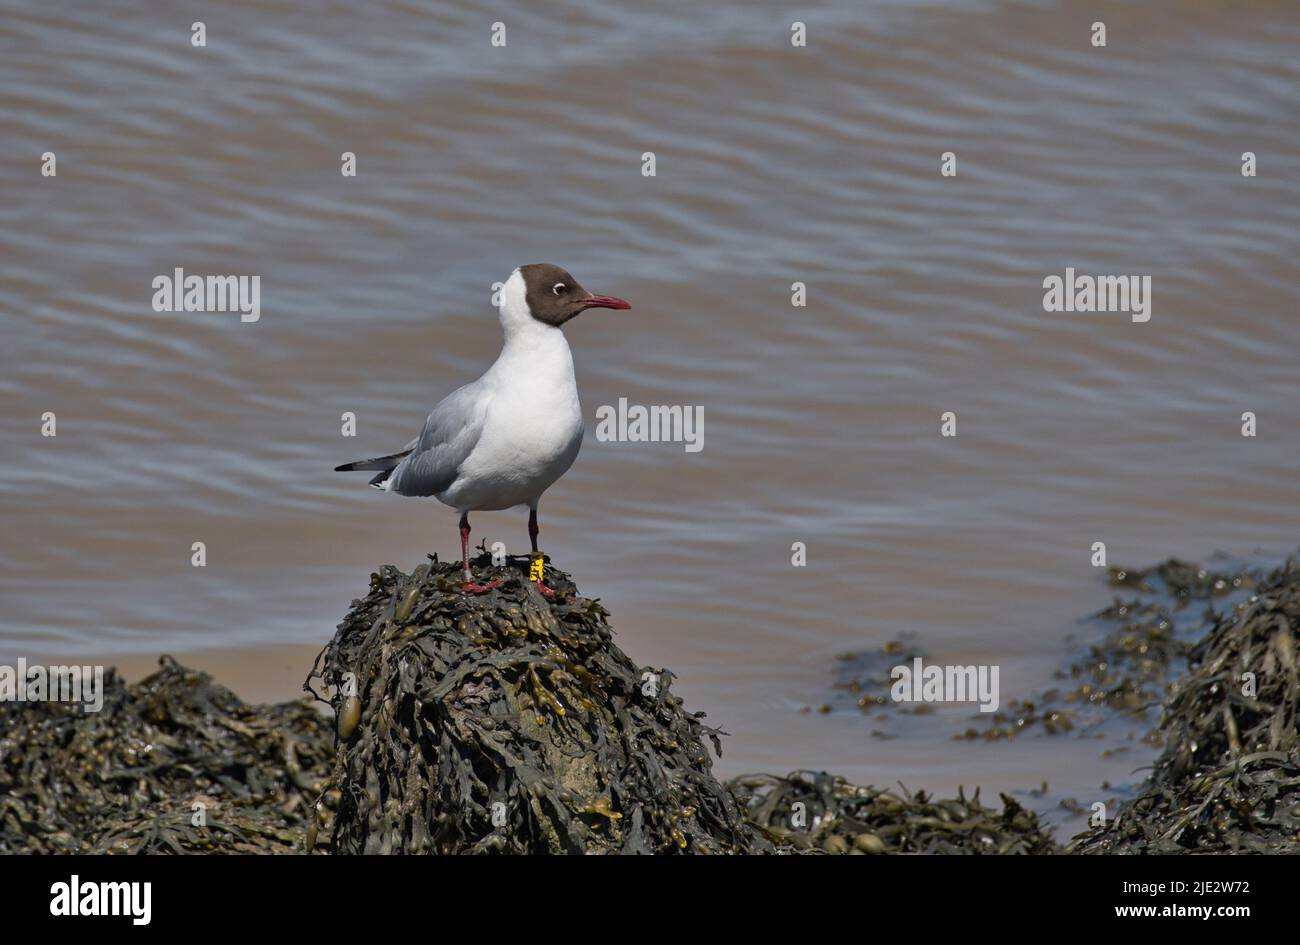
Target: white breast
{"x": 532, "y": 430}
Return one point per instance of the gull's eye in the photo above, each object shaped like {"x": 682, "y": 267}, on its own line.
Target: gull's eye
{"x": 559, "y": 288}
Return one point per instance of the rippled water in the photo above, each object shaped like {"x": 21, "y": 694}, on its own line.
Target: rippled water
{"x": 775, "y": 164}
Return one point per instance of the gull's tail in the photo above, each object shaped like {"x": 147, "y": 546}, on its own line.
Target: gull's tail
{"x": 385, "y": 465}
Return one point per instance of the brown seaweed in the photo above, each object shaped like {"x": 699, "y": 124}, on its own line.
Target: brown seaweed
{"x": 815, "y": 812}
{"x": 1228, "y": 779}
{"x": 174, "y": 763}
{"x": 508, "y": 722}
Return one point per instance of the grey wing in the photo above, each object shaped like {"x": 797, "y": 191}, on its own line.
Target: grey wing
{"x": 450, "y": 434}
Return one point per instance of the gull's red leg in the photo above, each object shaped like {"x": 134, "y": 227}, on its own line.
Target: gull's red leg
{"x": 469, "y": 586}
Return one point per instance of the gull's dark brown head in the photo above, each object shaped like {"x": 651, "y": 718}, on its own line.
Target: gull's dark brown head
{"x": 554, "y": 296}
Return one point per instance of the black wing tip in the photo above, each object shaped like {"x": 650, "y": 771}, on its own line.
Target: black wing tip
{"x": 382, "y": 463}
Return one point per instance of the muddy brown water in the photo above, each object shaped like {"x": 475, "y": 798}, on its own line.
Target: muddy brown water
{"x": 774, "y": 164}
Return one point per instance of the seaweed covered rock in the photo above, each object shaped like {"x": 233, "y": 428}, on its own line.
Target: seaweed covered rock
{"x": 1229, "y": 777}
{"x": 814, "y": 812}
{"x": 172, "y": 764}
{"x": 510, "y": 722}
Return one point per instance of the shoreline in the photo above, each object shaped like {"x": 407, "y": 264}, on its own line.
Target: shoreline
{"x": 260, "y": 675}
{"x": 177, "y": 733}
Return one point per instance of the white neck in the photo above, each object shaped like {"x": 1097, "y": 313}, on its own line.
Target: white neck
{"x": 527, "y": 339}
{"x": 516, "y": 317}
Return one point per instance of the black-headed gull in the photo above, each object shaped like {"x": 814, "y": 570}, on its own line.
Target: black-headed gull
{"x": 504, "y": 439}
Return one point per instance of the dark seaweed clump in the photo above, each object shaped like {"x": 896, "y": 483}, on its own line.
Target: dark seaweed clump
{"x": 173, "y": 764}
{"x": 814, "y": 812}
{"x": 509, "y": 722}
{"x": 1228, "y": 779}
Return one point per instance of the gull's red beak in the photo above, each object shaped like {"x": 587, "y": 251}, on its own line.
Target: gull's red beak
{"x": 602, "y": 301}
